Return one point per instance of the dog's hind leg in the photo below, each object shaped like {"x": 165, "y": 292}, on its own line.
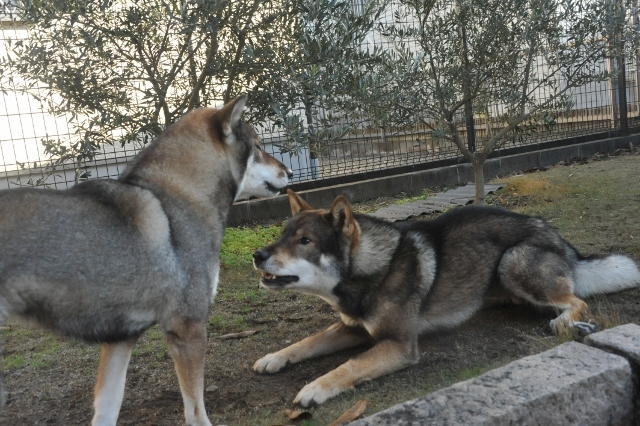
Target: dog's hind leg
{"x": 573, "y": 311}
{"x": 187, "y": 344}
{"x": 543, "y": 278}
{"x": 109, "y": 389}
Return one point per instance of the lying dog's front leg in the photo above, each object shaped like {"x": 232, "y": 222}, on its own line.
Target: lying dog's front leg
{"x": 109, "y": 389}
{"x": 385, "y": 357}
{"x": 335, "y": 338}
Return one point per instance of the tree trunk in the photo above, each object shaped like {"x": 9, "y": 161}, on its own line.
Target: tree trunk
{"x": 313, "y": 143}
{"x": 478, "y": 174}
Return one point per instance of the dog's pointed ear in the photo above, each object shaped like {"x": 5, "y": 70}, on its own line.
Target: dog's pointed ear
{"x": 230, "y": 114}
{"x": 297, "y": 203}
{"x": 341, "y": 216}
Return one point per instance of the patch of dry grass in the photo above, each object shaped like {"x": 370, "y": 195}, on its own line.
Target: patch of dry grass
{"x": 583, "y": 202}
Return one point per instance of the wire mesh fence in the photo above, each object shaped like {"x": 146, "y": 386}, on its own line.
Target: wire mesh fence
{"x": 363, "y": 147}
{"x": 25, "y": 122}
{"x": 594, "y": 110}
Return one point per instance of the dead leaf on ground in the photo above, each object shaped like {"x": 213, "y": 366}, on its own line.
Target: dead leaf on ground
{"x": 351, "y": 414}
{"x": 295, "y": 415}
{"x": 240, "y": 335}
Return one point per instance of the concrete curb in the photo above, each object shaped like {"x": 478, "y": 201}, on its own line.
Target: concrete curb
{"x": 596, "y": 383}
{"x": 458, "y": 174}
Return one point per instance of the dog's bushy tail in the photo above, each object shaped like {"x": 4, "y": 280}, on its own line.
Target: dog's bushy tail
{"x": 605, "y": 275}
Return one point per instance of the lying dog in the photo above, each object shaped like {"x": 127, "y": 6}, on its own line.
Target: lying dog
{"x": 107, "y": 259}
{"x": 392, "y": 282}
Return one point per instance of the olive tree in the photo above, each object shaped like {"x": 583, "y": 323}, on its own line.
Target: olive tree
{"x": 515, "y": 62}
{"x": 128, "y": 69}
{"x": 317, "y": 70}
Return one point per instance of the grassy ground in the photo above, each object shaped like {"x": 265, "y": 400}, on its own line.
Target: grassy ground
{"x": 595, "y": 205}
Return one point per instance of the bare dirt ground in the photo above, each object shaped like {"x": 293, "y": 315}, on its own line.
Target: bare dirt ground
{"x": 595, "y": 204}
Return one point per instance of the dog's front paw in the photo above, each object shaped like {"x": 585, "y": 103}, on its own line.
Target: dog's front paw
{"x": 316, "y": 393}
{"x": 271, "y": 363}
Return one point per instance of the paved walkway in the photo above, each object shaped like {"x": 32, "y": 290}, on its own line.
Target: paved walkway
{"x": 459, "y": 196}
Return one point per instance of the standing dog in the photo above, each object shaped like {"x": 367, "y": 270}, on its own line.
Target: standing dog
{"x": 392, "y": 282}
{"x": 107, "y": 259}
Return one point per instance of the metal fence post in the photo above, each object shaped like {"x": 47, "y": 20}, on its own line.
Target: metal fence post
{"x": 622, "y": 77}
{"x": 622, "y": 96}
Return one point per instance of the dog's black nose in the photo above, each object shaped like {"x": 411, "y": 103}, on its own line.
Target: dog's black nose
{"x": 260, "y": 256}
{"x": 290, "y": 173}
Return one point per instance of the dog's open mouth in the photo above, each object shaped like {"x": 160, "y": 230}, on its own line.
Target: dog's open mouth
{"x": 272, "y": 188}
{"x": 270, "y": 280}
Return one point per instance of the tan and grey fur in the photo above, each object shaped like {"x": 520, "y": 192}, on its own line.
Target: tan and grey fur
{"x": 392, "y": 282}
{"x": 105, "y": 260}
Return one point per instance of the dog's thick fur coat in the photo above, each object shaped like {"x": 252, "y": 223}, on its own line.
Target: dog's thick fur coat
{"x": 105, "y": 260}
{"x": 392, "y": 282}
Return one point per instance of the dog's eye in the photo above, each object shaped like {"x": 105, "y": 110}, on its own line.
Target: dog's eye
{"x": 304, "y": 241}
